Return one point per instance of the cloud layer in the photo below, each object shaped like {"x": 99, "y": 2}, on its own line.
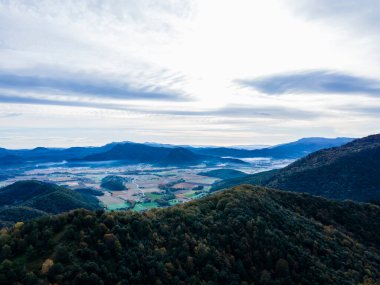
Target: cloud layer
{"x": 320, "y": 82}
{"x": 79, "y": 84}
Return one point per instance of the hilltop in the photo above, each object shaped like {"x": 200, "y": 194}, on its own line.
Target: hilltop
{"x": 241, "y": 236}
{"x": 113, "y": 182}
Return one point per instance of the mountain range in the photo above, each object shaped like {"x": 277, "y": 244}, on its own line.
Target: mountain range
{"x": 129, "y": 152}
{"x": 43, "y": 154}
{"x": 292, "y": 150}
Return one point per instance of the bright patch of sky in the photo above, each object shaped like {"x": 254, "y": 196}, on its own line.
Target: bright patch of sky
{"x": 187, "y": 72}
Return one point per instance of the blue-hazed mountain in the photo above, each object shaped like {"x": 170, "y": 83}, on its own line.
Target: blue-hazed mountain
{"x": 164, "y": 156}
{"x": 178, "y": 156}
{"x": 43, "y": 154}
{"x": 48, "y": 154}
{"x": 10, "y": 159}
{"x": 351, "y": 171}
{"x": 141, "y": 153}
{"x": 292, "y": 150}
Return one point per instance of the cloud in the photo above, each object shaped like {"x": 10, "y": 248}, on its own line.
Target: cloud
{"x": 357, "y": 21}
{"x": 9, "y": 115}
{"x": 232, "y": 111}
{"x": 237, "y": 111}
{"x": 79, "y": 84}
{"x": 319, "y": 81}
{"x": 5, "y": 98}
{"x": 363, "y": 15}
{"x": 364, "y": 110}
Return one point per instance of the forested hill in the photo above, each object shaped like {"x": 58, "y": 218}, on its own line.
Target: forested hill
{"x": 351, "y": 171}
{"x": 25, "y": 200}
{"x": 247, "y": 235}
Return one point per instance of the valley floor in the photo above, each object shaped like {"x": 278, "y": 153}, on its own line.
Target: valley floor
{"x": 145, "y": 184}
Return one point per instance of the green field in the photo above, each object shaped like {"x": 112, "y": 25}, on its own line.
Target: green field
{"x": 191, "y": 194}
{"x": 144, "y": 206}
{"x": 118, "y": 206}
{"x": 200, "y": 195}
{"x": 138, "y": 207}
{"x": 173, "y": 202}
{"x": 154, "y": 196}
{"x": 206, "y": 188}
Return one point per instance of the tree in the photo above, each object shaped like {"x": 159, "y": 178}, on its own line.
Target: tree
{"x": 46, "y": 265}
{"x": 6, "y": 251}
{"x": 282, "y": 268}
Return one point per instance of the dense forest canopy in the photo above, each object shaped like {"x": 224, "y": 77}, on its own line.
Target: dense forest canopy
{"x": 247, "y": 235}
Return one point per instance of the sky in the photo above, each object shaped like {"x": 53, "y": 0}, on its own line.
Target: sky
{"x": 203, "y": 72}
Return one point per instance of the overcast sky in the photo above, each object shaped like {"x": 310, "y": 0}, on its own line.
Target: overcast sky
{"x": 187, "y": 72}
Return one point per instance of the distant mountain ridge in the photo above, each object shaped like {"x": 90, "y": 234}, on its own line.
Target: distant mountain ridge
{"x": 351, "y": 171}
{"x": 163, "y": 154}
{"x": 292, "y": 150}
{"x": 43, "y": 154}
{"x": 141, "y": 153}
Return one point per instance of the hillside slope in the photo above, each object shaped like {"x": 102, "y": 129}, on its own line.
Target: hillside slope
{"x": 247, "y": 235}
{"x": 260, "y": 178}
{"x": 351, "y": 171}
{"x": 224, "y": 173}
{"x": 26, "y": 200}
